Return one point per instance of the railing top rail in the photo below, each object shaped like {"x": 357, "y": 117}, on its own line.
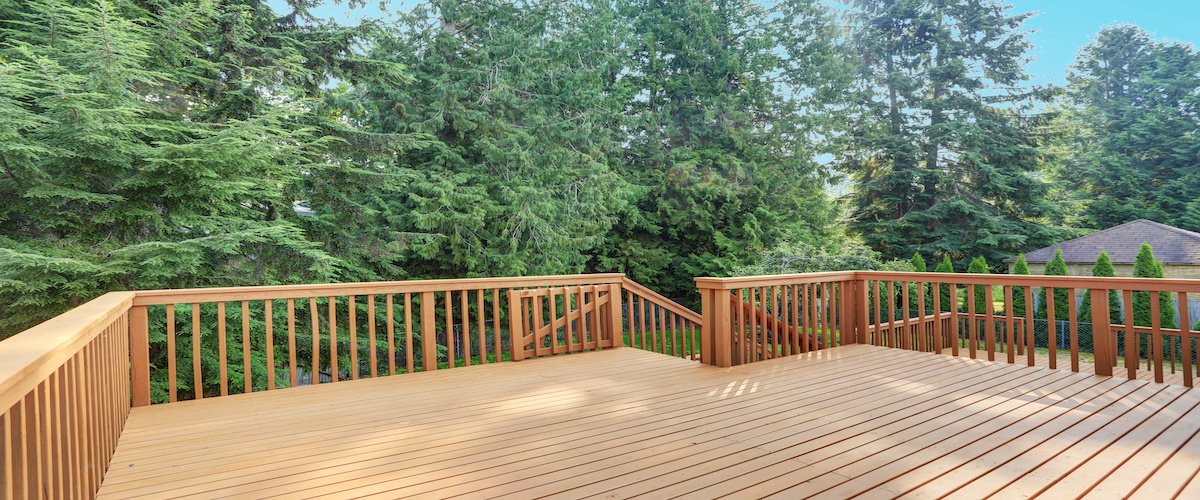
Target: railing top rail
{"x": 775, "y": 279}
{"x": 671, "y": 305}
{"x": 1120, "y": 283}
{"x": 229, "y": 294}
{"x": 29, "y": 357}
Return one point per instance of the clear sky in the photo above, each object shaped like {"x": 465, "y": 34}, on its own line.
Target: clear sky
{"x": 1062, "y": 26}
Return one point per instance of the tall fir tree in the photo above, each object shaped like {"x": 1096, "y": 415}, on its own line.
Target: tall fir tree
{"x": 1103, "y": 267}
{"x": 1144, "y": 266}
{"x": 942, "y": 149}
{"x": 1136, "y": 146}
{"x": 726, "y": 100}
{"x": 1018, "y": 292}
{"x": 1055, "y": 267}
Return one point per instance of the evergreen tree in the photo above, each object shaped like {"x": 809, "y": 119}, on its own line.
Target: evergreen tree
{"x": 914, "y": 300}
{"x": 942, "y": 149}
{"x": 725, "y": 100}
{"x": 979, "y": 266}
{"x": 1138, "y": 113}
{"x": 1103, "y": 267}
{"x": 1018, "y": 292}
{"x": 1055, "y": 267}
{"x": 944, "y": 290}
{"x": 1145, "y": 266}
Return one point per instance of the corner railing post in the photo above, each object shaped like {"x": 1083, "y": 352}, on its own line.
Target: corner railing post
{"x": 1101, "y": 348}
{"x": 860, "y": 307}
{"x": 716, "y": 339}
{"x": 139, "y": 354}
{"x": 616, "y": 327}
{"x": 516, "y": 327}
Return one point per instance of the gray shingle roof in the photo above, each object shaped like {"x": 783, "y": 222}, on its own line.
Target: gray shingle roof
{"x": 1172, "y": 246}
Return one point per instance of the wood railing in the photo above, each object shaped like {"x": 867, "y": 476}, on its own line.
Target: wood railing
{"x": 64, "y": 398}
{"x": 219, "y": 341}
{"x": 802, "y": 312}
{"x": 656, "y": 323}
{"x": 562, "y": 320}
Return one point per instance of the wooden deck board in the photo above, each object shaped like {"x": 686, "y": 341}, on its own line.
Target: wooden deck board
{"x": 853, "y": 420}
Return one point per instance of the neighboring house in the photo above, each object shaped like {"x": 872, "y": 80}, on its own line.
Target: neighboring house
{"x": 1178, "y": 249}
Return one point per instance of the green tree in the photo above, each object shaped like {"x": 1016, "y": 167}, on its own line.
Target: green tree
{"x": 914, "y": 300}
{"x": 1103, "y": 267}
{"x": 979, "y": 266}
{"x": 943, "y": 148}
{"x": 726, "y": 100}
{"x": 1145, "y": 266}
{"x": 944, "y": 290}
{"x": 1055, "y": 267}
{"x": 1137, "y": 115}
{"x": 1018, "y": 292}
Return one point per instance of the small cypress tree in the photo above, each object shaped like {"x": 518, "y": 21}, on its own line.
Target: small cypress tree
{"x": 979, "y": 266}
{"x": 1018, "y": 292}
{"x": 1145, "y": 266}
{"x": 1056, "y": 267}
{"x": 944, "y": 290}
{"x": 914, "y": 302}
{"x": 1103, "y": 267}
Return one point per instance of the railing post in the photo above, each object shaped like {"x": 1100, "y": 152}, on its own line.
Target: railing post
{"x": 860, "y": 307}
{"x": 139, "y": 354}
{"x": 616, "y": 326}
{"x": 1105, "y": 355}
{"x": 716, "y": 339}
{"x": 516, "y": 329}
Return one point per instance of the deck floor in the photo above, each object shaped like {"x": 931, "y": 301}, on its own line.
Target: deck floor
{"x": 861, "y": 421}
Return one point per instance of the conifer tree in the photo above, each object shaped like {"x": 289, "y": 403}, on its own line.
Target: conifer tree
{"x": 944, "y": 290}
{"x": 1103, "y": 267}
{"x": 979, "y": 266}
{"x": 1018, "y": 292}
{"x": 1055, "y": 267}
{"x": 918, "y": 265}
{"x": 1145, "y": 266}
{"x": 943, "y": 148}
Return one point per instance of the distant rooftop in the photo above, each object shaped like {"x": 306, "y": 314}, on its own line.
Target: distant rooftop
{"x": 1172, "y": 246}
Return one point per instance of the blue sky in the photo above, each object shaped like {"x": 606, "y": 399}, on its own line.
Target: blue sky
{"x": 1062, "y": 26}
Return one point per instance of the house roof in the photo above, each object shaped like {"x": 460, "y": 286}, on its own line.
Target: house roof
{"x": 1172, "y": 246}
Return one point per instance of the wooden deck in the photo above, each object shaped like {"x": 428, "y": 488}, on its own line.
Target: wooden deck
{"x": 854, "y": 420}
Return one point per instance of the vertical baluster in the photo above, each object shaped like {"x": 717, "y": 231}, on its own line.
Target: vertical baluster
{"x": 269, "y": 324}
{"x": 1185, "y": 338}
{"x": 293, "y": 376}
{"x": 938, "y": 339}
{"x": 641, "y": 314}
{"x": 954, "y": 319}
{"x": 197, "y": 373}
{"x": 371, "y": 332}
{"x": 1131, "y": 345}
{"x": 480, "y": 326}
{"x": 466, "y": 328}
{"x": 1156, "y": 341}
{"x": 1073, "y": 321}
{"x": 247, "y": 368}
{"x": 814, "y": 315}
{"x": 171, "y": 383}
{"x": 334, "y": 371}
{"x": 221, "y": 348}
{"x": 796, "y": 329}
{"x": 390, "y": 302}
{"x": 1029, "y": 327}
{"x": 408, "y": 338}
{"x": 428, "y": 332}
{"x": 496, "y": 348}
{"x": 921, "y": 331}
{"x": 315, "y": 370}
{"x": 972, "y": 329}
{"x": 1051, "y": 328}
{"x": 877, "y": 303}
{"x": 905, "y": 338}
{"x": 352, "y": 311}
{"x": 1011, "y": 325}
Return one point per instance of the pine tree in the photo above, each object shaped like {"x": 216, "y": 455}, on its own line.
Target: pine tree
{"x": 943, "y": 144}
{"x": 720, "y": 150}
{"x": 1103, "y": 267}
{"x": 944, "y": 290}
{"x": 1145, "y": 266}
{"x": 1018, "y": 292}
{"x": 1136, "y": 146}
{"x": 979, "y": 266}
{"x": 1055, "y": 267}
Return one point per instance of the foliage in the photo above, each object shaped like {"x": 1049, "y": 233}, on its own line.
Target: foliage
{"x": 979, "y": 266}
{"x": 725, "y": 102}
{"x": 1055, "y": 267}
{"x": 1137, "y": 107}
{"x": 1018, "y": 292}
{"x": 918, "y": 265}
{"x": 1144, "y": 266}
{"x": 796, "y": 257}
{"x": 944, "y": 290}
{"x": 1103, "y": 267}
{"x": 943, "y": 147}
